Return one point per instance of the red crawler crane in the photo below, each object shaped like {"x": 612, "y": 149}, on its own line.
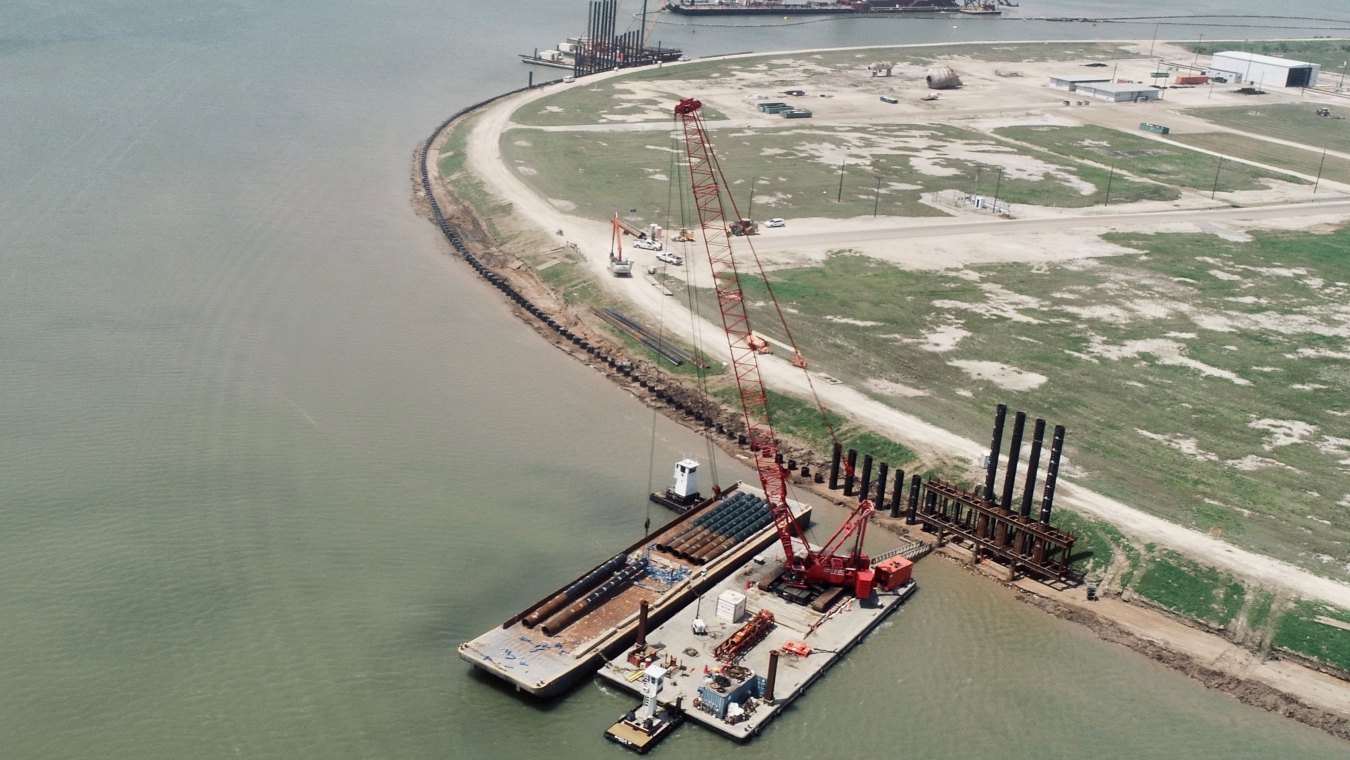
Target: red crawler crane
{"x": 804, "y": 566}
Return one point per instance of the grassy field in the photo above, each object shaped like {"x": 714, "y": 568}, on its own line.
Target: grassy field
{"x": 605, "y": 102}
{"x": 1204, "y": 381}
{"x": 1300, "y": 630}
{"x": 806, "y": 171}
{"x": 801, "y": 420}
{"x": 1184, "y": 587}
{"x": 1271, "y": 154}
{"x": 1295, "y": 122}
{"x": 1139, "y": 156}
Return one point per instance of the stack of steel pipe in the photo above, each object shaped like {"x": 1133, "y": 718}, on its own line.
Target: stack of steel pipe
{"x": 698, "y": 525}
{"x": 748, "y": 529}
{"x": 714, "y": 531}
{"x": 720, "y": 539}
{"x": 618, "y": 582}
{"x": 573, "y": 592}
{"x": 712, "y": 526}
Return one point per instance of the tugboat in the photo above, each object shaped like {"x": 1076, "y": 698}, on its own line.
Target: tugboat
{"x": 641, "y": 729}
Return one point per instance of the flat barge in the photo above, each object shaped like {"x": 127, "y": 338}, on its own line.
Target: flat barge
{"x": 814, "y": 8}
{"x": 787, "y": 646}
{"x": 564, "y": 637}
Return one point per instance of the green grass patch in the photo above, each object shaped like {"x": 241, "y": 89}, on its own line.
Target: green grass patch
{"x": 881, "y": 448}
{"x": 1258, "y": 609}
{"x": 1299, "y": 630}
{"x": 1295, "y": 122}
{"x": 1285, "y": 157}
{"x": 1138, "y": 156}
{"x": 1184, "y": 587}
{"x": 605, "y": 102}
{"x": 1098, "y": 542}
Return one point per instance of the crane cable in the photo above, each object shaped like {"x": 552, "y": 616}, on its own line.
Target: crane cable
{"x": 676, "y": 175}
{"x": 798, "y": 359}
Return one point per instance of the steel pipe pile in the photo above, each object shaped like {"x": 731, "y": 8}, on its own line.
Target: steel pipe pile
{"x": 618, "y": 582}
{"x": 573, "y": 592}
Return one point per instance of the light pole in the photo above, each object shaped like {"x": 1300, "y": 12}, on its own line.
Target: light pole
{"x": 1341, "y": 86}
{"x": 840, "y": 197}
{"x": 876, "y": 197}
{"x": 750, "y": 209}
{"x": 1109, "y": 177}
{"x": 1196, "y": 59}
{"x": 1217, "y": 169}
{"x": 1155, "y": 39}
{"x": 1320, "y": 164}
{"x": 997, "y": 185}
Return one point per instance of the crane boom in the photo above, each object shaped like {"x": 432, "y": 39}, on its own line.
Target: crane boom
{"x": 805, "y": 567}
{"x": 704, "y": 177}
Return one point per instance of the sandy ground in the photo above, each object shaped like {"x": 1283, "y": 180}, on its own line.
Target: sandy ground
{"x": 1033, "y": 235}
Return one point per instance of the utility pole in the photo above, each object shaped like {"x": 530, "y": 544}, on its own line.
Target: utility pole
{"x": 1109, "y": 177}
{"x": 997, "y": 185}
{"x": 876, "y": 197}
{"x": 1155, "y": 39}
{"x": 1196, "y": 59}
{"x": 840, "y": 196}
{"x": 1320, "y": 164}
{"x": 1215, "y": 189}
{"x": 750, "y": 208}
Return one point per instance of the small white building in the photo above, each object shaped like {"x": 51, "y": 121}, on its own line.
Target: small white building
{"x": 1121, "y": 93}
{"x": 1070, "y": 82}
{"x": 1265, "y": 70}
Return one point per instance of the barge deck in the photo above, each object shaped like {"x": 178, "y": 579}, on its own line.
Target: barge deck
{"x": 732, "y": 700}
{"x": 551, "y": 645}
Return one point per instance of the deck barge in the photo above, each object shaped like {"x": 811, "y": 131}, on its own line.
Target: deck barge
{"x": 733, "y": 701}
{"x": 544, "y": 650}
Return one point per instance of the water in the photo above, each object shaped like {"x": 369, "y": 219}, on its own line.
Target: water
{"x": 267, "y": 455}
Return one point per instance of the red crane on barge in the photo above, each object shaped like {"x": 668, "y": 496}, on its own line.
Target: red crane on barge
{"x": 804, "y": 566}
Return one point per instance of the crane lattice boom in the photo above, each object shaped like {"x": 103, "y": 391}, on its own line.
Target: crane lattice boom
{"x": 705, "y": 179}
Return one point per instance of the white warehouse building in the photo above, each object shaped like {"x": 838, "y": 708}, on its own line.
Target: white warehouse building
{"x": 1265, "y": 70}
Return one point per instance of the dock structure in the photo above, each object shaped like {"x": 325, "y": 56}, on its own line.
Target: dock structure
{"x": 738, "y": 699}
{"x": 563, "y": 637}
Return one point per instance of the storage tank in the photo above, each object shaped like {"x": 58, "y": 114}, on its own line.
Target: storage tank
{"x": 943, "y": 78}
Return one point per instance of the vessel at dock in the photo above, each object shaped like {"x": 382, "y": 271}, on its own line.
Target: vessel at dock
{"x": 565, "y": 636}
{"x": 812, "y": 8}
{"x": 580, "y": 50}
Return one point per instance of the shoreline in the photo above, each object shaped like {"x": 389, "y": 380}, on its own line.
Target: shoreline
{"x": 1303, "y": 698}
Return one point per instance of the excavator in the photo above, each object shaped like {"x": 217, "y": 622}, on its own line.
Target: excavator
{"x": 618, "y": 265}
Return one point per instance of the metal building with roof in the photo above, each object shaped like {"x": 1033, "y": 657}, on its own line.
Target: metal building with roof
{"x": 1071, "y": 82}
{"x": 1121, "y": 93}
{"x": 1265, "y": 70}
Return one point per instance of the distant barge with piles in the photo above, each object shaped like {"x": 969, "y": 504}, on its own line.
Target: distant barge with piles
{"x": 830, "y": 7}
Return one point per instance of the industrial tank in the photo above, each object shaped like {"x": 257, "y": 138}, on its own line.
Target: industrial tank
{"x": 943, "y": 78}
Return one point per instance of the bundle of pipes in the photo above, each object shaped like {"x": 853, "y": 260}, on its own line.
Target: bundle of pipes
{"x": 722, "y": 532}
{"x": 716, "y": 549}
{"x": 714, "y": 524}
{"x": 573, "y": 592}
{"x": 621, "y": 580}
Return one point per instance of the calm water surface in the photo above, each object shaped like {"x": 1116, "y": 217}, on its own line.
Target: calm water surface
{"x": 266, "y": 455}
